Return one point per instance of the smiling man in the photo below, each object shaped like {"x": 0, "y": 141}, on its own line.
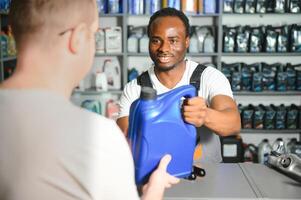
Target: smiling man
{"x": 213, "y": 111}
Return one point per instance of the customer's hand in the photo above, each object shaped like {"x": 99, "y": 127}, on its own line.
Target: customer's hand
{"x": 195, "y": 111}
{"x": 158, "y": 181}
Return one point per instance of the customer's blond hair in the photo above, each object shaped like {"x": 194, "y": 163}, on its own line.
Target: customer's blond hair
{"x": 29, "y": 17}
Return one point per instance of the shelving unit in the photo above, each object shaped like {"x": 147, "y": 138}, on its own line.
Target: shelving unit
{"x": 217, "y": 20}
{"x": 264, "y": 97}
{"x": 270, "y": 131}
{"x": 268, "y": 93}
{"x": 124, "y": 19}
{"x": 126, "y": 58}
{"x": 94, "y": 92}
{"x": 289, "y": 54}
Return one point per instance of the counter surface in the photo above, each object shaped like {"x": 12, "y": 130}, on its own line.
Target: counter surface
{"x": 243, "y": 180}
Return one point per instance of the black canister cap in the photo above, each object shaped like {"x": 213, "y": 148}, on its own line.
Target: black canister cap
{"x": 148, "y": 93}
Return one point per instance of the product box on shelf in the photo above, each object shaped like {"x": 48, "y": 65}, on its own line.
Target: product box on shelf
{"x": 100, "y": 41}
{"x": 113, "y": 42}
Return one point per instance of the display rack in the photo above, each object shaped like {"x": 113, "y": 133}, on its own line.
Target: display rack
{"x": 268, "y": 93}
{"x": 218, "y": 20}
{"x": 264, "y": 97}
{"x": 270, "y": 131}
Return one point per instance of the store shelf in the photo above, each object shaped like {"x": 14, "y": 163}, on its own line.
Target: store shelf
{"x": 111, "y": 15}
{"x": 204, "y": 15}
{"x": 188, "y": 15}
{"x": 260, "y": 14}
{"x": 139, "y": 15}
{"x": 274, "y": 131}
{"x": 94, "y": 92}
{"x": 108, "y": 54}
{"x": 188, "y": 54}
{"x": 138, "y": 54}
{"x": 267, "y": 93}
{"x": 9, "y": 58}
{"x": 263, "y": 54}
{"x": 201, "y": 54}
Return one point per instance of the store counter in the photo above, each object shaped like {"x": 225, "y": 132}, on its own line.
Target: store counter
{"x": 230, "y": 181}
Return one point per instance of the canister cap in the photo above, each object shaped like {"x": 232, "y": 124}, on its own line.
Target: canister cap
{"x": 148, "y": 93}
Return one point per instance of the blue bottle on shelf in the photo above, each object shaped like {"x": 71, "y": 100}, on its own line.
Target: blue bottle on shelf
{"x": 156, "y": 128}
{"x": 210, "y": 6}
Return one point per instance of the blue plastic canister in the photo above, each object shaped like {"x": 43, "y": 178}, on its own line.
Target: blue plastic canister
{"x": 156, "y": 128}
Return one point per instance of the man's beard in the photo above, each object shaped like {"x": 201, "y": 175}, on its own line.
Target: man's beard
{"x": 165, "y": 69}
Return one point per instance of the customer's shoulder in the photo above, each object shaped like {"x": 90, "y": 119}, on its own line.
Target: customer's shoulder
{"x": 91, "y": 117}
{"x": 95, "y": 123}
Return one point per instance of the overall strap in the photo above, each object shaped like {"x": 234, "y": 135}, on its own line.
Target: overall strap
{"x": 144, "y": 80}
{"x": 195, "y": 81}
{"x": 196, "y": 76}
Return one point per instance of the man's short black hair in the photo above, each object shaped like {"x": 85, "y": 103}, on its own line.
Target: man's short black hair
{"x": 169, "y": 12}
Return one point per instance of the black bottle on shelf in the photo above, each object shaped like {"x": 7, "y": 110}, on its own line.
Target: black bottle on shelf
{"x": 281, "y": 78}
{"x": 298, "y": 77}
{"x": 280, "y": 6}
{"x": 270, "y": 116}
{"x": 281, "y": 81}
{"x": 261, "y": 6}
{"x": 283, "y": 39}
{"x": 242, "y": 39}
{"x": 270, "y": 39}
{"x": 236, "y": 77}
{"x": 256, "y": 82}
{"x": 226, "y": 71}
{"x": 250, "y": 6}
{"x": 246, "y": 78}
{"x": 295, "y": 38}
{"x": 294, "y": 6}
{"x": 280, "y": 117}
{"x": 233, "y": 74}
{"x": 292, "y": 117}
{"x": 247, "y": 116}
{"x": 256, "y": 39}
{"x": 239, "y": 6}
{"x": 299, "y": 124}
{"x": 258, "y": 117}
{"x": 291, "y": 77}
{"x": 228, "y": 6}
{"x": 268, "y": 77}
{"x": 270, "y": 6}
{"x": 229, "y": 36}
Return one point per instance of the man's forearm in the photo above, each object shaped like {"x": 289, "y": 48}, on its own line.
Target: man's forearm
{"x": 224, "y": 123}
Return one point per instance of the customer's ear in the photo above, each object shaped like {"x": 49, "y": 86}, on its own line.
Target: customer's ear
{"x": 77, "y": 38}
{"x": 187, "y": 41}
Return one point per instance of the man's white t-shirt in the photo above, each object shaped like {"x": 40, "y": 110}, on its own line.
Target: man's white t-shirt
{"x": 51, "y": 149}
{"x": 212, "y": 83}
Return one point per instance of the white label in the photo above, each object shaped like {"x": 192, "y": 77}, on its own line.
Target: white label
{"x": 230, "y": 150}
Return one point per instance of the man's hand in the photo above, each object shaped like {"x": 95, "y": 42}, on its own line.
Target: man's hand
{"x": 159, "y": 180}
{"x": 195, "y": 111}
